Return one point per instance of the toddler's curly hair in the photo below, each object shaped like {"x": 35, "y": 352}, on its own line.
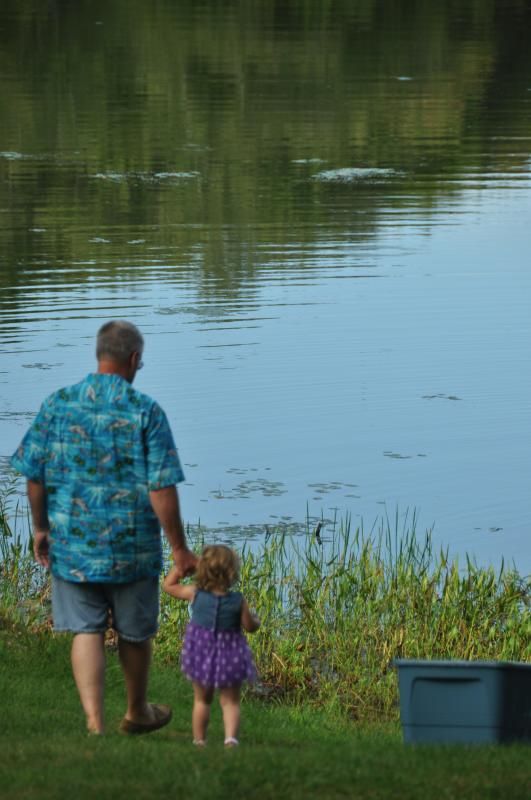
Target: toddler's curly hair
{"x": 218, "y": 568}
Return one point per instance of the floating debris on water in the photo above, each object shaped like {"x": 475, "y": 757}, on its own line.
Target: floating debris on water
{"x": 354, "y": 174}
{"x": 109, "y": 176}
{"x": 195, "y": 146}
{"x": 330, "y": 486}
{"x": 16, "y": 415}
{"x": 145, "y": 177}
{"x": 440, "y": 396}
{"x": 40, "y": 365}
{"x": 13, "y": 155}
{"x": 162, "y": 176}
{"x": 232, "y": 532}
{"x": 247, "y": 488}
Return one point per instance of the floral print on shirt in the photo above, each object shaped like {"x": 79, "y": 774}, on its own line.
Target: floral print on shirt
{"x": 100, "y": 447}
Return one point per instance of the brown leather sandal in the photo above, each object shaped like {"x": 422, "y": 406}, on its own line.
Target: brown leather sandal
{"x": 161, "y": 716}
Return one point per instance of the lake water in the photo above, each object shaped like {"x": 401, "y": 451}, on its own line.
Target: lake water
{"x": 318, "y": 214}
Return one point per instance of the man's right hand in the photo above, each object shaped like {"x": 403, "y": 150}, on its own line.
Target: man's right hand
{"x": 185, "y": 561}
{"x": 41, "y": 548}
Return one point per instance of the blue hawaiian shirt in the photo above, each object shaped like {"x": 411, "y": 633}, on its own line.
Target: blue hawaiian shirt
{"x": 100, "y": 447}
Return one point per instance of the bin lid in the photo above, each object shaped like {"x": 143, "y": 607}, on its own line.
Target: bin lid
{"x": 410, "y": 662}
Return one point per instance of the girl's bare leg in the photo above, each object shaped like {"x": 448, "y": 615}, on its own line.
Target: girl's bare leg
{"x": 229, "y": 700}
{"x": 203, "y": 696}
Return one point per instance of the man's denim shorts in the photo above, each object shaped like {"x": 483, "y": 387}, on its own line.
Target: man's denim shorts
{"x": 85, "y": 607}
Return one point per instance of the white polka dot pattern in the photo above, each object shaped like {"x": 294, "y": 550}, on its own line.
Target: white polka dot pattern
{"x": 216, "y": 659}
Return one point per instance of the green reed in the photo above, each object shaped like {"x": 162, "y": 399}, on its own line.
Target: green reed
{"x": 336, "y": 609}
{"x": 24, "y": 587}
{"x": 336, "y": 613}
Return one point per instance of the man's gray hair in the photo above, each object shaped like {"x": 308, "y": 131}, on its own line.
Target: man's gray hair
{"x": 117, "y": 340}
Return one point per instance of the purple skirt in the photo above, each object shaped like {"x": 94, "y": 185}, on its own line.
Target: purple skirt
{"x": 216, "y": 658}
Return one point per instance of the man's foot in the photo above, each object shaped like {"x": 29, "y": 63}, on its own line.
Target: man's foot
{"x": 157, "y": 717}
{"x": 95, "y": 726}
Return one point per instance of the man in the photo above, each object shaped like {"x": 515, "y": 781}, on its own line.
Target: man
{"x": 101, "y": 469}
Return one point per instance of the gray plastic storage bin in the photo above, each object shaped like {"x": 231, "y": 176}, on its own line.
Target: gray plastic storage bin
{"x": 465, "y": 701}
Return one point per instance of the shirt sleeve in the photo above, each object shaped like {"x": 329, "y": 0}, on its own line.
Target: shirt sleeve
{"x": 163, "y": 464}
{"x": 31, "y": 455}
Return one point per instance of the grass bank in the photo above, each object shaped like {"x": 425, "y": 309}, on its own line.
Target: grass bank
{"x": 336, "y": 610}
{"x": 286, "y": 751}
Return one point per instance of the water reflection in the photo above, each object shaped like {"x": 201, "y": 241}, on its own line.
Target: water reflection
{"x": 316, "y": 212}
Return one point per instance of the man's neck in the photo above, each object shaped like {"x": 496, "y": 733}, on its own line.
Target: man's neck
{"x": 106, "y": 367}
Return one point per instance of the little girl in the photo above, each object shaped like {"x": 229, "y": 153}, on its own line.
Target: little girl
{"x": 215, "y": 652}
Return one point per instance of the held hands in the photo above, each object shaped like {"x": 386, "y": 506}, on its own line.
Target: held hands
{"x": 250, "y": 621}
{"x": 41, "y": 548}
{"x": 172, "y": 584}
{"x": 185, "y": 562}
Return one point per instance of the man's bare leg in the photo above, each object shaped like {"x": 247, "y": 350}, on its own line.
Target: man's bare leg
{"x": 135, "y": 658}
{"x": 141, "y": 716}
{"x": 88, "y": 666}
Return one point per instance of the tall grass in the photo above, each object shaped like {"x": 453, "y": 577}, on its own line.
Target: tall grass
{"x": 336, "y": 613}
{"x": 336, "y": 610}
{"x": 24, "y": 587}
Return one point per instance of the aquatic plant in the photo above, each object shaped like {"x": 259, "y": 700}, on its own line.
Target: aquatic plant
{"x": 337, "y": 610}
{"x": 24, "y": 586}
{"x": 337, "y": 607}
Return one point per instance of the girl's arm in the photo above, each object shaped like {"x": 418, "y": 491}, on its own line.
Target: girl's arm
{"x": 172, "y": 585}
{"x": 250, "y": 621}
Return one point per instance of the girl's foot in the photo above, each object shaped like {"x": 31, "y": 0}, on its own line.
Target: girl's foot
{"x": 230, "y": 741}
{"x": 199, "y": 743}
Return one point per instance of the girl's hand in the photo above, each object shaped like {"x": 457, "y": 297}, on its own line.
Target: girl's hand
{"x": 250, "y": 621}
{"x": 175, "y": 588}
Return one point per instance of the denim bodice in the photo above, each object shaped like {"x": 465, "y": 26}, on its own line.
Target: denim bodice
{"x": 217, "y": 612}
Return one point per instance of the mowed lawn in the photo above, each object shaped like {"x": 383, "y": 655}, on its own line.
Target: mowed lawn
{"x": 284, "y": 752}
